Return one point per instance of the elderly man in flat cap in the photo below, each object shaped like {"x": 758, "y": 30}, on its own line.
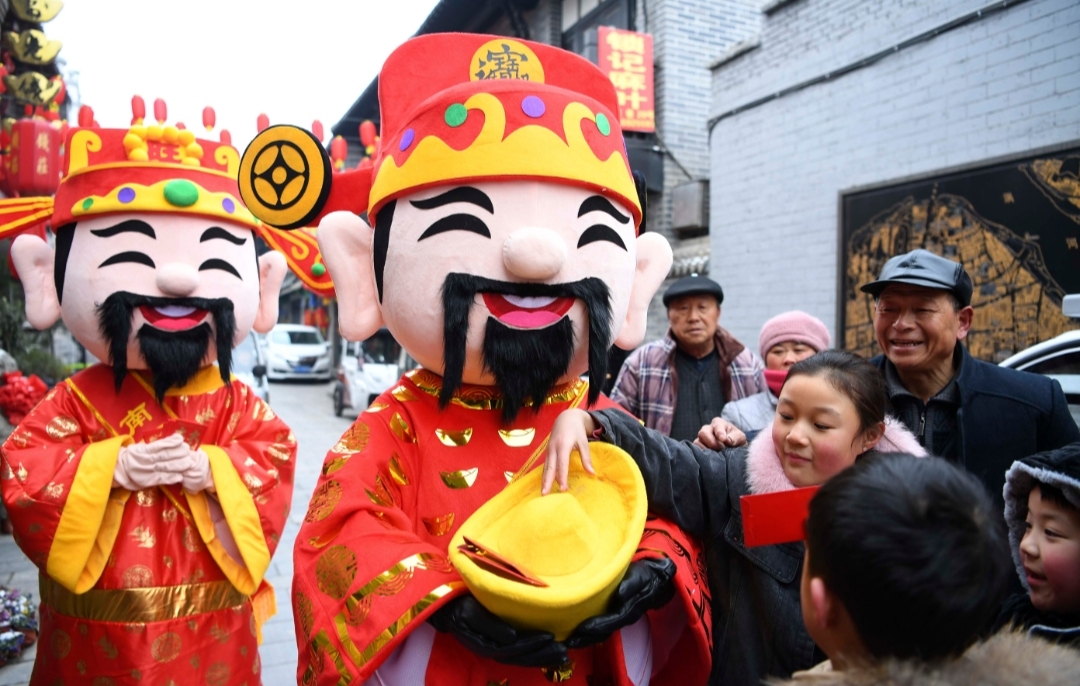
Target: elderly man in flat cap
{"x": 681, "y": 382}
{"x": 970, "y": 412}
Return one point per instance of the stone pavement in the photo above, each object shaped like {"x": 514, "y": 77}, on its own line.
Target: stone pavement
{"x": 308, "y": 410}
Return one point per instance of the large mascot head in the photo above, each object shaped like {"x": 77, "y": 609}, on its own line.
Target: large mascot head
{"x": 505, "y": 247}
{"x": 155, "y": 264}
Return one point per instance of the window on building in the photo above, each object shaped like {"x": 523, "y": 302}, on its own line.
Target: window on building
{"x": 574, "y": 10}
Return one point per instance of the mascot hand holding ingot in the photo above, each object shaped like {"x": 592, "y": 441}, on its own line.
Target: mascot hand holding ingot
{"x": 505, "y": 259}
{"x": 151, "y": 491}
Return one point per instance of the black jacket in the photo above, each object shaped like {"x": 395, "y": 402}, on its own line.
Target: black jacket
{"x": 1005, "y": 415}
{"x": 757, "y": 627}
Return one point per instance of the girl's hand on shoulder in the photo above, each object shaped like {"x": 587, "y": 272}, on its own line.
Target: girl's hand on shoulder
{"x": 719, "y": 434}
{"x": 571, "y": 431}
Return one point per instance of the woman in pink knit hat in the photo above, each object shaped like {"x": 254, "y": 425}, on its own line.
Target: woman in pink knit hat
{"x": 785, "y": 339}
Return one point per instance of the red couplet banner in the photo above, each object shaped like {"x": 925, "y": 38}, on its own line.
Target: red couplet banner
{"x": 627, "y": 58}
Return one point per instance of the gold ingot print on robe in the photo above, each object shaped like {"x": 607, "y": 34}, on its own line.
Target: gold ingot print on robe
{"x": 53, "y": 490}
{"x": 147, "y": 498}
{"x": 334, "y": 465}
{"x": 354, "y": 440}
{"x": 401, "y": 429}
{"x": 376, "y": 407}
{"x": 144, "y": 537}
{"x": 335, "y": 571}
{"x": 166, "y": 647}
{"x": 323, "y": 501}
{"x": 306, "y": 611}
{"x": 439, "y": 526}
{"x": 397, "y": 473}
{"x": 205, "y": 416}
{"x": 138, "y": 576}
{"x": 60, "y": 644}
{"x": 509, "y": 476}
{"x": 381, "y": 496}
{"x": 217, "y": 674}
{"x": 517, "y": 438}
{"x": 403, "y": 394}
{"x": 279, "y": 452}
{"x": 463, "y": 478}
{"x": 454, "y": 439}
{"x": 558, "y": 675}
{"x": 61, "y": 427}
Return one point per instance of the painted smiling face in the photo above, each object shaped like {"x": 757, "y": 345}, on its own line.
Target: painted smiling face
{"x": 140, "y": 286}
{"x": 520, "y": 284}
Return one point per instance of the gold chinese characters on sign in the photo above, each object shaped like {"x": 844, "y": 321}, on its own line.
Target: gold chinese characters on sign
{"x": 627, "y": 59}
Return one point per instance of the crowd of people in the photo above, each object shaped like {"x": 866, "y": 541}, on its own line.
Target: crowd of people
{"x": 923, "y": 455}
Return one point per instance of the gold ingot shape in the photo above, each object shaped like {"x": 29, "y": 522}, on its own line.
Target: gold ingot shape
{"x": 61, "y": 427}
{"x": 439, "y": 526}
{"x": 353, "y": 440}
{"x": 517, "y": 438}
{"x": 463, "y": 478}
{"x": 397, "y": 473}
{"x": 401, "y": 429}
{"x": 403, "y": 394}
{"x": 454, "y": 439}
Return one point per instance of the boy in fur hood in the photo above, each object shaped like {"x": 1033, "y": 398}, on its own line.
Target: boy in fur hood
{"x": 1042, "y": 510}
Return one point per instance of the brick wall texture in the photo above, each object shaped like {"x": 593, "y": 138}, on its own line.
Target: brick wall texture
{"x": 1004, "y": 85}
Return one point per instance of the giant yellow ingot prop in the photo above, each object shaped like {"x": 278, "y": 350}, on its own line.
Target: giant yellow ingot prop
{"x": 578, "y": 542}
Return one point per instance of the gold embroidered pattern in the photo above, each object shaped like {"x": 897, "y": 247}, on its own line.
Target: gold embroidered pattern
{"x": 219, "y": 634}
{"x": 192, "y": 542}
{"x": 108, "y": 648}
{"x": 166, "y": 647}
{"x": 401, "y": 429}
{"x": 279, "y": 453}
{"x": 217, "y": 674}
{"x": 557, "y": 675}
{"x": 144, "y": 537}
{"x": 323, "y": 501}
{"x": 381, "y": 496}
{"x": 60, "y": 644}
{"x": 137, "y": 576}
{"x": 353, "y": 440}
{"x": 517, "y": 438}
{"x": 376, "y": 407}
{"x": 396, "y": 471}
{"x": 22, "y": 473}
{"x": 253, "y": 482}
{"x": 335, "y": 571}
{"x": 334, "y": 465}
{"x": 403, "y": 394}
{"x": 205, "y": 416}
{"x": 168, "y": 515}
{"x": 262, "y": 411}
{"x": 454, "y": 439}
{"x": 234, "y": 421}
{"x": 320, "y": 646}
{"x": 306, "y": 610}
{"x": 61, "y": 427}
{"x": 53, "y": 490}
{"x": 21, "y": 438}
{"x": 463, "y": 478}
{"x": 148, "y": 498}
{"x": 439, "y": 526}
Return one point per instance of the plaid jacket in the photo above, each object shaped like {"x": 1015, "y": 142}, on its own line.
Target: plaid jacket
{"x": 647, "y": 384}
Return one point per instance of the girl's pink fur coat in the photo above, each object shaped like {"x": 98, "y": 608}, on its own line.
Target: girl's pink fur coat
{"x": 765, "y": 474}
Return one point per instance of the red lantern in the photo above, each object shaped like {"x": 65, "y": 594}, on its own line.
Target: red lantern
{"x": 34, "y": 167}
{"x": 181, "y": 125}
{"x": 367, "y": 133}
{"x": 339, "y": 150}
{"x": 161, "y": 112}
{"x": 138, "y": 110}
{"x": 86, "y": 114}
{"x": 209, "y": 118}
{"x": 225, "y": 137}
{"x": 262, "y": 123}
{"x": 317, "y": 129}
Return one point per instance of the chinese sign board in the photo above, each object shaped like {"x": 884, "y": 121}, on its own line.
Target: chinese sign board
{"x": 627, "y": 58}
{"x": 1015, "y": 227}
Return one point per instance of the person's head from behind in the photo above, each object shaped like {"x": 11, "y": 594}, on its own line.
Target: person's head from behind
{"x": 831, "y": 410}
{"x": 791, "y": 337}
{"x": 1050, "y": 551}
{"x": 905, "y": 558}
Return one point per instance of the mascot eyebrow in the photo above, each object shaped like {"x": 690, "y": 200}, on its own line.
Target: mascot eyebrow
{"x": 462, "y": 221}
{"x": 218, "y": 232}
{"x": 129, "y": 226}
{"x": 601, "y": 232}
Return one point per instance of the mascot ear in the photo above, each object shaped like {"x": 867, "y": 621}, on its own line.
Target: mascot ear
{"x": 345, "y": 242}
{"x": 271, "y": 273}
{"x": 653, "y": 264}
{"x": 33, "y": 259}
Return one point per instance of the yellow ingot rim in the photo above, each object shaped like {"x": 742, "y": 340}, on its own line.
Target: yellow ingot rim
{"x": 572, "y": 597}
{"x": 285, "y": 177}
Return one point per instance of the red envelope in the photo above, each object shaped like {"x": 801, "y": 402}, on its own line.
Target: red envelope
{"x": 191, "y": 431}
{"x": 771, "y": 518}
{"x": 498, "y": 564}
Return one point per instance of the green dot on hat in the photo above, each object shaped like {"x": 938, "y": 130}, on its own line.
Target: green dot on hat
{"x": 181, "y": 193}
{"x": 455, "y": 115}
{"x": 318, "y": 269}
{"x": 602, "y": 124}
{"x": 86, "y": 204}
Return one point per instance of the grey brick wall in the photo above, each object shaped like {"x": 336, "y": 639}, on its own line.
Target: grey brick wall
{"x": 1004, "y": 85}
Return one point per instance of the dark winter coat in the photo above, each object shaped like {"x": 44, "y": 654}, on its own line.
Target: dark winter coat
{"x": 1005, "y": 415}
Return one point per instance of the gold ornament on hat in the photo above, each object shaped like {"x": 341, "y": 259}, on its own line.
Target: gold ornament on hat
{"x": 285, "y": 176}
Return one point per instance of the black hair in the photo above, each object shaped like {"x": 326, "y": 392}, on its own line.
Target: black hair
{"x": 914, "y": 549}
{"x": 65, "y": 235}
{"x": 860, "y": 381}
{"x": 1052, "y": 494}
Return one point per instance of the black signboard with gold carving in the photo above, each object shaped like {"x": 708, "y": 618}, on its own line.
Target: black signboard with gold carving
{"x": 1015, "y": 226}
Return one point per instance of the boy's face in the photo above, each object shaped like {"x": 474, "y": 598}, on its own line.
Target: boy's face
{"x": 1050, "y": 551}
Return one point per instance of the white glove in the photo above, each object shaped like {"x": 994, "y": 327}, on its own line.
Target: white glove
{"x": 158, "y": 463}
{"x": 199, "y": 477}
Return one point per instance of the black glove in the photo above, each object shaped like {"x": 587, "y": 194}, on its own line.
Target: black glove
{"x": 647, "y": 585}
{"x": 490, "y": 637}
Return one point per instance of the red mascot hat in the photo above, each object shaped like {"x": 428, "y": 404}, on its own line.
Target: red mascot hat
{"x": 456, "y": 107}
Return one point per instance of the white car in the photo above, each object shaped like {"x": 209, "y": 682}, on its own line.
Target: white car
{"x": 1058, "y": 358}
{"x": 297, "y": 352}
{"x": 367, "y": 369}
{"x": 249, "y": 365}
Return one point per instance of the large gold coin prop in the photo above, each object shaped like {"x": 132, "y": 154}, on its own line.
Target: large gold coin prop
{"x": 285, "y": 177}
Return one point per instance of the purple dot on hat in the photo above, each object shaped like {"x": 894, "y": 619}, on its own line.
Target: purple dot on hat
{"x": 228, "y": 205}
{"x": 533, "y": 106}
{"x": 406, "y": 139}
{"x": 126, "y": 195}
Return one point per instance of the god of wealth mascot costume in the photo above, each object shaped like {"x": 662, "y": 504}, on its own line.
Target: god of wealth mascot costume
{"x": 150, "y": 491}
{"x": 505, "y": 259}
